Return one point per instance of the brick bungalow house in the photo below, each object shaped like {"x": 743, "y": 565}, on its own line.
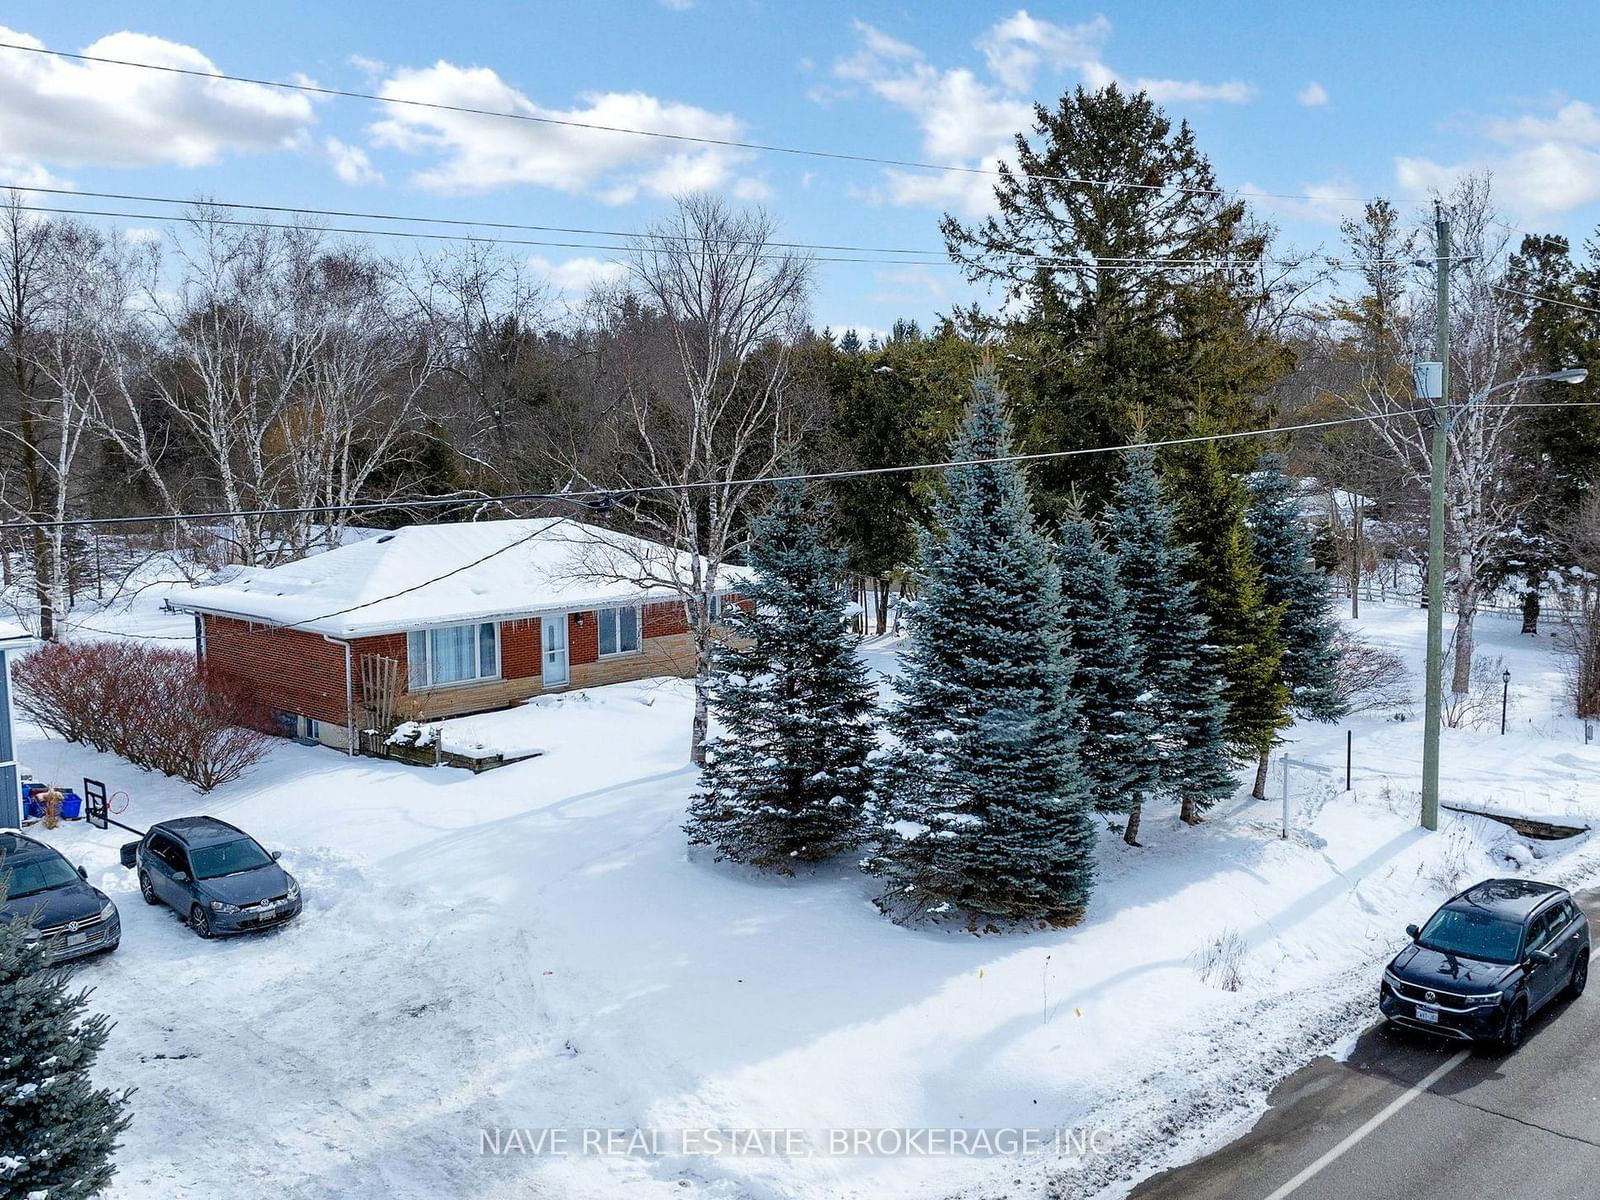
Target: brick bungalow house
{"x": 436, "y": 621}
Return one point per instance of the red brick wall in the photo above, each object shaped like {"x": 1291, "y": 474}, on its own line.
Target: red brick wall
{"x": 664, "y": 619}
{"x": 519, "y": 649}
{"x": 286, "y": 669}
{"x": 583, "y": 641}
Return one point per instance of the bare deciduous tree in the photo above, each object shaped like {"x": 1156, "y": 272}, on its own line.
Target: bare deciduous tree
{"x": 1487, "y": 350}
{"x": 699, "y": 354}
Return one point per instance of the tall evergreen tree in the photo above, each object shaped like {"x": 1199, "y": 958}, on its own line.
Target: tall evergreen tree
{"x": 787, "y": 779}
{"x": 1104, "y": 343}
{"x": 1293, "y": 584}
{"x": 1182, "y": 682}
{"x": 988, "y": 815}
{"x": 57, "y": 1130}
{"x": 1241, "y": 624}
{"x": 1119, "y": 750}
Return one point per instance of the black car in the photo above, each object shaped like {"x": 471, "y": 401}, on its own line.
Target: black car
{"x": 217, "y": 877}
{"x": 1487, "y": 961}
{"x": 73, "y": 919}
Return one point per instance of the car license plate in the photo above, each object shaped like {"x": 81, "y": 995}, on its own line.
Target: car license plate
{"x": 1428, "y": 1015}
{"x": 76, "y": 939}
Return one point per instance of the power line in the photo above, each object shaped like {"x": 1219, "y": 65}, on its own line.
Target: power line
{"x": 424, "y": 235}
{"x": 203, "y": 202}
{"x": 1546, "y": 299}
{"x": 726, "y": 143}
{"x": 1088, "y": 263}
{"x": 605, "y": 498}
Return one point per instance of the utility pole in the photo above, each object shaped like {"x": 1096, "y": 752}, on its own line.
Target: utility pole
{"x": 1441, "y": 422}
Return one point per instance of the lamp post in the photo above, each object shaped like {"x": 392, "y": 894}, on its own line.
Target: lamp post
{"x": 1505, "y": 698}
{"x": 1432, "y": 383}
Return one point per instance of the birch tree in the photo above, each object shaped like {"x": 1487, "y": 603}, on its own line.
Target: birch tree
{"x": 242, "y": 333}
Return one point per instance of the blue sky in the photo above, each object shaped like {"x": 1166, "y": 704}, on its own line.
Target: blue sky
{"x": 1347, "y": 99}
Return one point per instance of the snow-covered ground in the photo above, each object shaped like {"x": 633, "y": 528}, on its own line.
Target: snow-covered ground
{"x": 534, "y": 948}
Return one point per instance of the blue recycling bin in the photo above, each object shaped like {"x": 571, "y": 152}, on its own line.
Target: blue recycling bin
{"x": 33, "y": 809}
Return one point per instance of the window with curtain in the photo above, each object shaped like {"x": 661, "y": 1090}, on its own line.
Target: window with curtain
{"x": 619, "y": 630}
{"x": 453, "y": 654}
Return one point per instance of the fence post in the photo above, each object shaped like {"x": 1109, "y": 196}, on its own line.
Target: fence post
{"x": 1284, "y": 762}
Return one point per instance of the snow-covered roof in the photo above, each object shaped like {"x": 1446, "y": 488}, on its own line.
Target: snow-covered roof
{"x": 13, "y": 636}
{"x": 424, "y": 575}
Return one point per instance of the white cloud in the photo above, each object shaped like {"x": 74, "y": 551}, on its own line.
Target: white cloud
{"x": 24, "y": 174}
{"x": 1550, "y": 163}
{"x": 1313, "y": 95}
{"x": 1328, "y": 202}
{"x": 475, "y": 153}
{"x": 1017, "y": 46}
{"x": 1541, "y": 180}
{"x": 970, "y": 120}
{"x": 351, "y": 164}
{"x": 575, "y": 276}
{"x": 69, "y": 113}
{"x": 139, "y": 235}
{"x": 678, "y": 5}
{"x": 752, "y": 190}
{"x": 1192, "y": 91}
{"x": 910, "y": 286}
{"x": 1574, "y": 121}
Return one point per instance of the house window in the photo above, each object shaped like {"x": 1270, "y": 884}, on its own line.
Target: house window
{"x": 453, "y": 654}
{"x": 619, "y": 630}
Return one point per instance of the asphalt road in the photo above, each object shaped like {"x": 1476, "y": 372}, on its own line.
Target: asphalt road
{"x": 1424, "y": 1119}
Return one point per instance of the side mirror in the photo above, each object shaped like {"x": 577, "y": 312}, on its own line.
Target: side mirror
{"x": 180, "y": 877}
{"x": 1542, "y": 958}
{"x": 83, "y": 875}
{"x": 1413, "y": 932}
{"x": 276, "y": 855}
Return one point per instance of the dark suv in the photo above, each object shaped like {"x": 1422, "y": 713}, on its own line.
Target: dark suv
{"x": 1487, "y": 961}
{"x": 73, "y": 919}
{"x": 216, "y": 877}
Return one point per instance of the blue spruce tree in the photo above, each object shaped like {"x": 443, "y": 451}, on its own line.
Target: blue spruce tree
{"x": 1118, "y": 747}
{"x": 1292, "y": 582}
{"x": 988, "y": 815}
{"x": 57, "y": 1130}
{"x": 1182, "y": 694}
{"x": 787, "y": 779}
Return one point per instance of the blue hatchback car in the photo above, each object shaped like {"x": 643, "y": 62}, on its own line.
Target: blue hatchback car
{"x": 217, "y": 877}
{"x": 73, "y": 919}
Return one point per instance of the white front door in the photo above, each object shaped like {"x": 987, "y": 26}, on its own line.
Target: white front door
{"x": 554, "y": 640}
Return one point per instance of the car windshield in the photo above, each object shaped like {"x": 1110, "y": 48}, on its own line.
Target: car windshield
{"x": 1472, "y": 934}
{"x": 40, "y": 875}
{"x": 227, "y": 858}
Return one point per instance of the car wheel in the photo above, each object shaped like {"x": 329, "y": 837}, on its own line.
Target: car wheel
{"x": 1580, "y": 977}
{"x": 147, "y": 889}
{"x": 1516, "y": 1026}
{"x": 200, "y": 922}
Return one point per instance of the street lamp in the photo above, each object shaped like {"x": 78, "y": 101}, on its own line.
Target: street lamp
{"x": 1505, "y": 696}
{"x": 1431, "y": 386}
